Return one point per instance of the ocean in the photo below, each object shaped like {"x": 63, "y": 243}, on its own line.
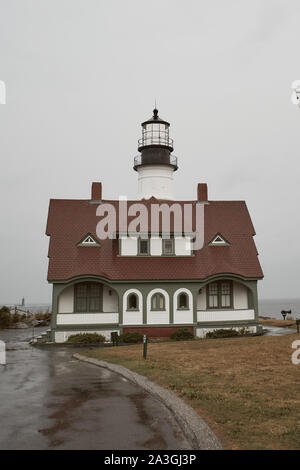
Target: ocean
{"x": 273, "y": 307}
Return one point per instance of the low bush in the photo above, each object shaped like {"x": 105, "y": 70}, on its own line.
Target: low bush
{"x": 182, "y": 334}
{"x": 5, "y": 317}
{"x": 86, "y": 338}
{"x": 131, "y": 337}
{"x": 16, "y": 317}
{"x": 44, "y": 316}
{"x": 222, "y": 333}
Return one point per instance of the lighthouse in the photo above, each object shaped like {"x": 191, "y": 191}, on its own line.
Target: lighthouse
{"x": 155, "y": 165}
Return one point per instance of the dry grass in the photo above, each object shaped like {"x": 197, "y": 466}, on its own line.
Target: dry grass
{"x": 288, "y": 323}
{"x": 246, "y": 388}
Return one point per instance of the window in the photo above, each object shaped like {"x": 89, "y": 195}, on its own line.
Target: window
{"x": 132, "y": 302}
{"x": 143, "y": 246}
{"x": 183, "y": 301}
{"x": 225, "y": 294}
{"x": 88, "y": 297}
{"x": 219, "y": 295}
{"x": 168, "y": 246}
{"x": 158, "y": 302}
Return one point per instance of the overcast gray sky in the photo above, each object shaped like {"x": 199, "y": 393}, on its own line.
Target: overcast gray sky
{"x": 81, "y": 75}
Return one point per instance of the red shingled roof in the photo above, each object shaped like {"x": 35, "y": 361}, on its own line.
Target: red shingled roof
{"x": 70, "y": 220}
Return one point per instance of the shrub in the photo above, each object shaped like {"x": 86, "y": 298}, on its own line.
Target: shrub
{"x": 131, "y": 337}
{"x": 5, "y": 317}
{"x": 86, "y": 338}
{"x": 42, "y": 316}
{"x": 222, "y": 333}
{"x": 16, "y": 317}
{"x": 182, "y": 334}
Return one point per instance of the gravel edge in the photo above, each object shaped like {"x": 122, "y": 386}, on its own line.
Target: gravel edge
{"x": 195, "y": 429}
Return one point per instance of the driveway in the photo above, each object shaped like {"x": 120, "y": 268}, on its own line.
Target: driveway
{"x": 48, "y": 400}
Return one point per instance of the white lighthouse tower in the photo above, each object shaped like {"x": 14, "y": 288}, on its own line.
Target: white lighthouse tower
{"x": 155, "y": 165}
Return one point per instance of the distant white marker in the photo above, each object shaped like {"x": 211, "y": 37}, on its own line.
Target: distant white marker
{"x": 2, "y": 353}
{"x": 2, "y": 92}
{"x": 296, "y": 92}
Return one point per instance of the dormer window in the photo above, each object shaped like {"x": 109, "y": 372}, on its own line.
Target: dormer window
{"x": 88, "y": 240}
{"x": 219, "y": 240}
{"x": 168, "y": 247}
{"x": 143, "y": 246}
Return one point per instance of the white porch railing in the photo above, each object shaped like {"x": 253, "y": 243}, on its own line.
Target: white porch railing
{"x": 224, "y": 315}
{"x": 87, "y": 318}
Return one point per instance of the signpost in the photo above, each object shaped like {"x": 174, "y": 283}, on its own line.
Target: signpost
{"x": 145, "y": 347}
{"x": 114, "y": 338}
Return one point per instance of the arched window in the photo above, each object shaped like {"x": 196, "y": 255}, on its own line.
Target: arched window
{"x": 183, "y": 301}
{"x": 158, "y": 302}
{"x": 132, "y": 302}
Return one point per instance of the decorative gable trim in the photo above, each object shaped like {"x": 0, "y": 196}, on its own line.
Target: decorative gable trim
{"x": 88, "y": 240}
{"x": 218, "y": 240}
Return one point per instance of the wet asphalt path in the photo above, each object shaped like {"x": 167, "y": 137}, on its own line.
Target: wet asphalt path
{"x": 50, "y": 401}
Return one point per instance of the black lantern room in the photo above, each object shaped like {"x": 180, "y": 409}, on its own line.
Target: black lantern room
{"x": 155, "y": 145}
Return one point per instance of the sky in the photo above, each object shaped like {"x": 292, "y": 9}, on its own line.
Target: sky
{"x": 81, "y": 75}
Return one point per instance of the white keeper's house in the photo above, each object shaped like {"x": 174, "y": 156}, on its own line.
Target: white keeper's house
{"x": 149, "y": 283}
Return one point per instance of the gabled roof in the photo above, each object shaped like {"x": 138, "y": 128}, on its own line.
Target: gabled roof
{"x": 70, "y": 220}
{"x": 218, "y": 240}
{"x": 88, "y": 240}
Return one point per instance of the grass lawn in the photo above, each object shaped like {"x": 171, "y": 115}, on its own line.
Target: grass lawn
{"x": 247, "y": 389}
{"x": 275, "y": 322}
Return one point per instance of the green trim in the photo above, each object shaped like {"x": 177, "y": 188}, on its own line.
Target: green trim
{"x": 200, "y": 281}
{"x": 86, "y": 313}
{"x": 88, "y": 326}
{"x": 158, "y": 325}
{"x": 219, "y": 324}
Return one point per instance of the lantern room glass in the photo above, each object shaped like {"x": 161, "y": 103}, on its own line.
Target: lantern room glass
{"x": 155, "y": 133}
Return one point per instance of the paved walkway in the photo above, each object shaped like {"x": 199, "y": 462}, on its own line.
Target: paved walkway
{"x": 48, "y": 400}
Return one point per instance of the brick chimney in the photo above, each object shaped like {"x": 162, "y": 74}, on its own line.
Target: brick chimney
{"x": 96, "y": 191}
{"x": 202, "y": 192}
